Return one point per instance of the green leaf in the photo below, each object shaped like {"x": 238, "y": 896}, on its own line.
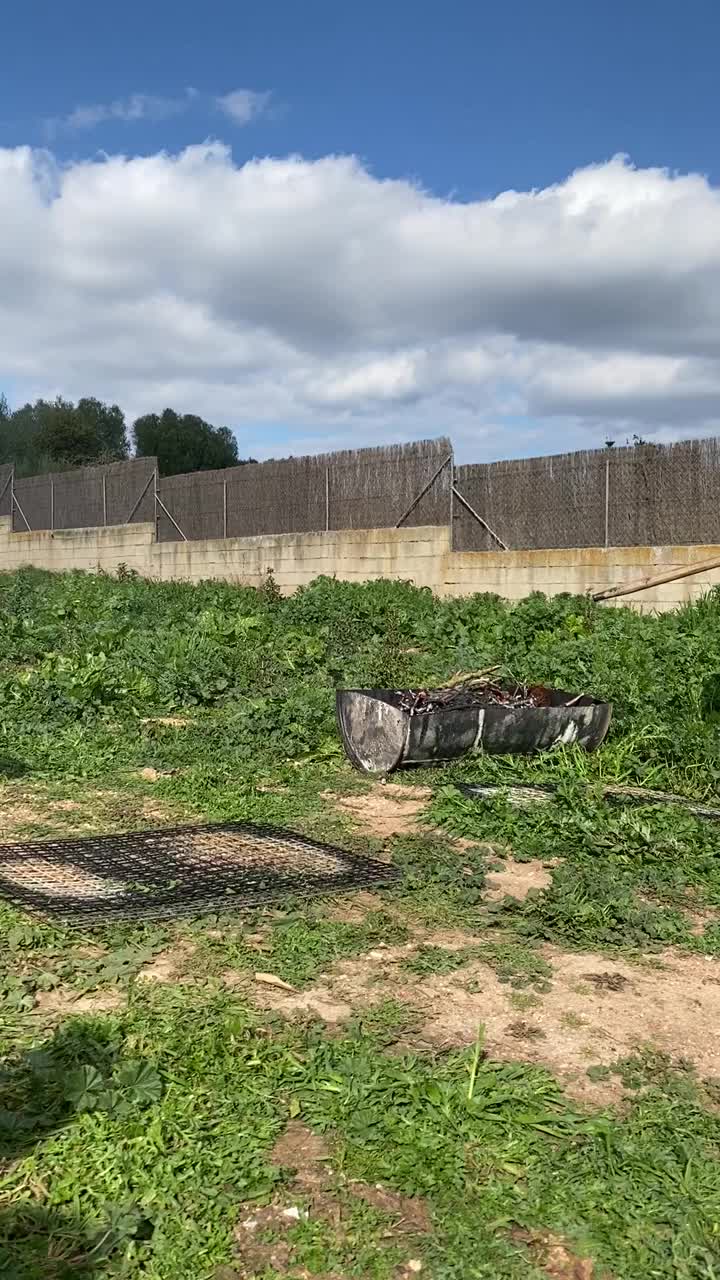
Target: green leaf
{"x": 141, "y": 1081}
{"x": 83, "y": 1086}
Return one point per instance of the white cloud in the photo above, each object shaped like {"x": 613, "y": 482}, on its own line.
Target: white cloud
{"x": 139, "y": 106}
{"x": 354, "y": 309}
{"x": 243, "y": 105}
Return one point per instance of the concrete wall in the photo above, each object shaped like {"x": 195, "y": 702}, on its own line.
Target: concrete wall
{"x": 294, "y": 558}
{"x": 514, "y": 574}
{"x": 421, "y": 555}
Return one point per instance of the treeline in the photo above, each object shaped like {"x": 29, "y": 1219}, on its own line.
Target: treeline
{"x": 57, "y": 435}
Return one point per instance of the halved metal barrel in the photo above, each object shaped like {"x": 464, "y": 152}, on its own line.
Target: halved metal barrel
{"x": 379, "y": 735}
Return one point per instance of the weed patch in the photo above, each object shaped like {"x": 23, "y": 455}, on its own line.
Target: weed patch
{"x": 626, "y": 879}
{"x": 137, "y": 1139}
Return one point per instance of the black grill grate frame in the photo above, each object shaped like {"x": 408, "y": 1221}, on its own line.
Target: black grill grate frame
{"x": 177, "y": 871}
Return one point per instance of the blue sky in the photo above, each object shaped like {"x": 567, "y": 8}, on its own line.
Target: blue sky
{"x": 463, "y": 101}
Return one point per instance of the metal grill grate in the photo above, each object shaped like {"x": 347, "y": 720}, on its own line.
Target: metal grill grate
{"x": 178, "y": 871}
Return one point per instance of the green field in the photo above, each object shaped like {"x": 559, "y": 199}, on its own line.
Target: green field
{"x": 459, "y": 1078}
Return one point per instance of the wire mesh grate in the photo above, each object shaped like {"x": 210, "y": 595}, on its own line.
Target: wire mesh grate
{"x": 177, "y": 871}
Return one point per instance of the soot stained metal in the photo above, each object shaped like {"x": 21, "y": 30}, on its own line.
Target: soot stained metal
{"x": 387, "y": 729}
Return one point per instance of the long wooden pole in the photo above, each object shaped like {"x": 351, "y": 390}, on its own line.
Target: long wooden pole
{"x": 657, "y": 579}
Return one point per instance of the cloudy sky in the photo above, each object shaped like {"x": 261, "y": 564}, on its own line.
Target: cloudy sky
{"x": 330, "y": 225}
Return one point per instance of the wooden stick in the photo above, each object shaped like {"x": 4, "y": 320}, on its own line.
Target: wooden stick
{"x": 469, "y": 677}
{"x": 657, "y": 579}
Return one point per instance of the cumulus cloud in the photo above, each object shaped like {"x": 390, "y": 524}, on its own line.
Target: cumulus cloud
{"x": 243, "y": 105}
{"x": 313, "y": 294}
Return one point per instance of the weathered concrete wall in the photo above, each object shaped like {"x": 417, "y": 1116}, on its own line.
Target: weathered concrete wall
{"x": 421, "y": 555}
{"x": 294, "y": 558}
{"x": 90, "y": 549}
{"x": 297, "y": 558}
{"x": 514, "y": 574}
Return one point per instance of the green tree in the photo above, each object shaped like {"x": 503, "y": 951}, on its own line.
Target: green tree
{"x": 107, "y": 422}
{"x": 56, "y": 434}
{"x": 184, "y": 442}
{"x": 64, "y": 436}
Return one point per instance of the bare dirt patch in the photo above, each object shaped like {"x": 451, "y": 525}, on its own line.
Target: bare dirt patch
{"x": 169, "y": 722}
{"x": 168, "y": 965}
{"x": 552, "y": 1256}
{"x": 315, "y": 1192}
{"x": 596, "y": 1011}
{"x": 23, "y": 812}
{"x": 578, "y": 1023}
{"x": 17, "y": 815}
{"x": 516, "y": 880}
{"x": 61, "y": 1001}
{"x": 388, "y": 809}
{"x": 303, "y": 1151}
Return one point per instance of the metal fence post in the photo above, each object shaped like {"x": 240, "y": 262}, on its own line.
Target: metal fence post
{"x": 607, "y": 503}
{"x": 155, "y": 504}
{"x": 14, "y": 504}
{"x": 425, "y": 489}
{"x": 52, "y": 504}
{"x": 327, "y": 499}
{"x": 104, "y": 498}
{"x": 8, "y": 485}
{"x": 224, "y": 507}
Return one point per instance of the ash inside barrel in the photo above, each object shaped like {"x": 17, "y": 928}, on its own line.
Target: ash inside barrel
{"x": 419, "y": 702}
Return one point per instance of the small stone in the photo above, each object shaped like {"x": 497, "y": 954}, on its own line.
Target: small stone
{"x": 415, "y": 1265}
{"x": 293, "y": 1213}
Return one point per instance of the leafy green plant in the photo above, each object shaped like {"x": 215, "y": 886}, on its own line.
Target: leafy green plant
{"x": 153, "y": 1123}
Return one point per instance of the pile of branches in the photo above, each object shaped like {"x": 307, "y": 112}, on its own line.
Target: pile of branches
{"x": 475, "y": 688}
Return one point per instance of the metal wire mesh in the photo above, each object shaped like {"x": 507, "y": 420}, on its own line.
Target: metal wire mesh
{"x": 664, "y": 495}
{"x": 533, "y": 502}
{"x": 33, "y": 504}
{"x": 86, "y": 497}
{"x": 354, "y": 489}
{"x": 5, "y": 491}
{"x": 129, "y": 490}
{"x": 176, "y": 871}
{"x": 197, "y": 502}
{"x": 642, "y": 495}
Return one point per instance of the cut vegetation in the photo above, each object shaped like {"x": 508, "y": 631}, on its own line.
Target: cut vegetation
{"x": 505, "y": 1065}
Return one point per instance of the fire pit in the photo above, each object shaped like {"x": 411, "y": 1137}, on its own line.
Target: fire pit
{"x": 385, "y": 729}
